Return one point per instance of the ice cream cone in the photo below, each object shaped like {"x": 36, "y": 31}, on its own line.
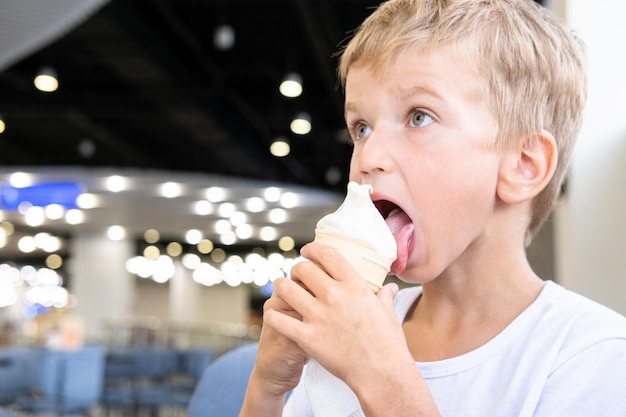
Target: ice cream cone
{"x": 360, "y": 234}
{"x": 373, "y": 266}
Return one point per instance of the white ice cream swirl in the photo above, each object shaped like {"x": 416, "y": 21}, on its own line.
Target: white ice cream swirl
{"x": 358, "y": 218}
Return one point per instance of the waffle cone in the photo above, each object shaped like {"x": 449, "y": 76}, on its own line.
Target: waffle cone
{"x": 361, "y": 255}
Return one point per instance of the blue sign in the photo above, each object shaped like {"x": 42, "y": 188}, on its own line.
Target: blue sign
{"x": 41, "y": 195}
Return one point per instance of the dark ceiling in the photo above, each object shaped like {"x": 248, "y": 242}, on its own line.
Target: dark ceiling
{"x": 142, "y": 81}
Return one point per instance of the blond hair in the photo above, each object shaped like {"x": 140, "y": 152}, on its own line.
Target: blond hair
{"x": 533, "y": 66}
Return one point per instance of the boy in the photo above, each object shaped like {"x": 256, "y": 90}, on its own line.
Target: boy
{"x": 463, "y": 115}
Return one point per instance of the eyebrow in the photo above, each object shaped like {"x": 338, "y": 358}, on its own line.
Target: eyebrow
{"x": 403, "y": 94}
{"x": 349, "y": 105}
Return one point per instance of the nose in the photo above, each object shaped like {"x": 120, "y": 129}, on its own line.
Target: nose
{"x": 372, "y": 155}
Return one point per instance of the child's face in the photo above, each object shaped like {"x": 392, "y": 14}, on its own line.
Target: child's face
{"x": 421, "y": 133}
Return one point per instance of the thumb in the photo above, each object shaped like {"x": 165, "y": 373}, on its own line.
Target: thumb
{"x": 387, "y": 294}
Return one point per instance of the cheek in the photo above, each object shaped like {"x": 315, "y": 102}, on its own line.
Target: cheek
{"x": 459, "y": 200}
{"x": 472, "y": 188}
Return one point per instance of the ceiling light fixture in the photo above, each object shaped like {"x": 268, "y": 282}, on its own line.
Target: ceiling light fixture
{"x": 54, "y": 211}
{"x": 21, "y": 179}
{"x": 224, "y": 37}
{"x": 35, "y": 216}
{"x": 226, "y": 209}
{"x": 74, "y": 216}
{"x": 46, "y": 80}
{"x": 255, "y": 204}
{"x": 272, "y": 194}
{"x": 289, "y": 200}
{"x": 216, "y": 194}
{"x": 333, "y": 175}
{"x": 116, "y": 183}
{"x": 280, "y": 147}
{"x": 171, "y": 189}
{"x": 291, "y": 86}
{"x": 3, "y": 125}
{"x": 151, "y": 236}
{"x": 86, "y": 148}
{"x": 203, "y": 208}
{"x": 27, "y": 244}
{"x": 205, "y": 246}
{"x": 244, "y": 231}
{"x": 278, "y": 216}
{"x": 87, "y": 201}
{"x": 222, "y": 226}
{"x": 238, "y": 218}
{"x": 193, "y": 236}
{"x": 116, "y": 232}
{"x": 301, "y": 124}
{"x": 228, "y": 238}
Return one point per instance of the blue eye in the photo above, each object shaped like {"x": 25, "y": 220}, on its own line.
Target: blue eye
{"x": 361, "y": 131}
{"x": 420, "y": 119}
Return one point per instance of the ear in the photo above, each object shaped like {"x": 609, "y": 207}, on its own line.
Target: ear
{"x": 527, "y": 169}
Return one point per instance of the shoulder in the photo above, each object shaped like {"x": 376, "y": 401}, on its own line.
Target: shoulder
{"x": 583, "y": 343}
{"x": 577, "y": 311}
{"x": 580, "y": 323}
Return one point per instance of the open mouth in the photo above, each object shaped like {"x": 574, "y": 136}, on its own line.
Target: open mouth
{"x": 402, "y": 228}
{"x": 385, "y": 207}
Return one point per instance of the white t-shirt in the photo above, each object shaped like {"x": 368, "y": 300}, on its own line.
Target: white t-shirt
{"x": 565, "y": 355}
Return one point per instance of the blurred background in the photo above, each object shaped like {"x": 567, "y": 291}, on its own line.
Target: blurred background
{"x": 202, "y": 131}
{"x": 161, "y": 162}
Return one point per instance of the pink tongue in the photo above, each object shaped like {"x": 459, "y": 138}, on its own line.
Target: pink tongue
{"x": 402, "y": 229}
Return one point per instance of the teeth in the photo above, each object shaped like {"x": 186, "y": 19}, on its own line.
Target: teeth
{"x": 394, "y": 211}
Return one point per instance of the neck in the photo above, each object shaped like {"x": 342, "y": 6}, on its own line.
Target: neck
{"x": 467, "y": 306}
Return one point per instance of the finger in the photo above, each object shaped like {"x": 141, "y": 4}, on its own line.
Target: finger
{"x": 331, "y": 261}
{"x": 387, "y": 294}
{"x": 294, "y": 295}
{"x": 311, "y": 276}
{"x": 290, "y": 327}
{"x": 277, "y": 303}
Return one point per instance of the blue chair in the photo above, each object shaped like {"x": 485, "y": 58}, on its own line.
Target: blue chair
{"x": 121, "y": 370}
{"x": 156, "y": 367}
{"x": 222, "y": 387}
{"x": 174, "y": 384}
{"x": 194, "y": 362}
{"x": 83, "y": 379}
{"x": 44, "y": 393}
{"x": 17, "y": 370}
{"x": 68, "y": 382}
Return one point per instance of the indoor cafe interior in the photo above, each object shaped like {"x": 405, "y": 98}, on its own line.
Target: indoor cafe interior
{"x": 162, "y": 162}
